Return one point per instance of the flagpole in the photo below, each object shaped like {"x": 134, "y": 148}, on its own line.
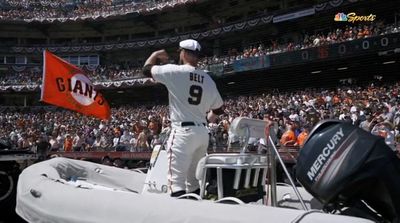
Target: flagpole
{"x": 43, "y": 76}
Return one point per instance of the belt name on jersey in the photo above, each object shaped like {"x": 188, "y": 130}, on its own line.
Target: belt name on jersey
{"x": 196, "y": 77}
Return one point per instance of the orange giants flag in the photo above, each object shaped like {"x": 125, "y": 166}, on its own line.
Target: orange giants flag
{"x": 66, "y": 86}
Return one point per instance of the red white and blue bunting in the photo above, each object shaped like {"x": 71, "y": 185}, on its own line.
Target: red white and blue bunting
{"x": 99, "y": 84}
{"x": 198, "y": 35}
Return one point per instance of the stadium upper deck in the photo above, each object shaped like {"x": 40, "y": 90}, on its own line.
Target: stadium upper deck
{"x": 208, "y": 19}
{"x": 233, "y": 34}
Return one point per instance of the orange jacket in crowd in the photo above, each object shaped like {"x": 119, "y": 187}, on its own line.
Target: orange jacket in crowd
{"x": 336, "y": 100}
{"x": 301, "y": 138}
{"x": 287, "y": 137}
{"x": 68, "y": 144}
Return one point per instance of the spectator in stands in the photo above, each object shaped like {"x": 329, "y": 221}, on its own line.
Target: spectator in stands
{"x": 297, "y": 129}
{"x": 88, "y": 141}
{"x": 137, "y": 128}
{"x": 43, "y": 147}
{"x": 153, "y": 127}
{"x": 132, "y": 144}
{"x": 294, "y": 116}
{"x": 24, "y": 142}
{"x": 117, "y": 141}
{"x": 386, "y": 115}
{"x": 385, "y": 130}
{"x": 301, "y": 139}
{"x": 77, "y": 142}
{"x": 55, "y": 144}
{"x": 288, "y": 138}
{"x": 396, "y": 120}
{"x": 366, "y": 124}
{"x": 125, "y": 139}
{"x": 68, "y": 143}
{"x": 99, "y": 143}
{"x": 141, "y": 143}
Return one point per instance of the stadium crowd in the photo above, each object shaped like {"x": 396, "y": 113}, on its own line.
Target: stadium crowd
{"x": 138, "y": 128}
{"x": 40, "y": 10}
{"x": 33, "y": 75}
{"x": 116, "y": 72}
{"x": 305, "y": 41}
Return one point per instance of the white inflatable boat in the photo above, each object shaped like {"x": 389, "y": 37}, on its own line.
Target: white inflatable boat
{"x": 66, "y": 190}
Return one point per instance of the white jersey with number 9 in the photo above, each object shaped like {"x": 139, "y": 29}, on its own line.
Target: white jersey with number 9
{"x": 192, "y": 92}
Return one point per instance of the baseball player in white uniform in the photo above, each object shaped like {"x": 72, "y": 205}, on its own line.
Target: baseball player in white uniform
{"x": 193, "y": 98}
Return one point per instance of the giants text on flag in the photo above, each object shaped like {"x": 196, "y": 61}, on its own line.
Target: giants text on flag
{"x": 66, "y": 85}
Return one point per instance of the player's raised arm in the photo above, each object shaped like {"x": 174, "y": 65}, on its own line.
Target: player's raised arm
{"x": 160, "y": 55}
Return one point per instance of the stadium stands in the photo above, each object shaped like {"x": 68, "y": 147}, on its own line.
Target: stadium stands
{"x": 120, "y": 72}
{"x": 349, "y": 33}
{"x": 61, "y": 11}
{"x": 138, "y": 128}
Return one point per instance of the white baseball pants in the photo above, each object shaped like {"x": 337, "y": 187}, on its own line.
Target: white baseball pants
{"x": 185, "y": 147}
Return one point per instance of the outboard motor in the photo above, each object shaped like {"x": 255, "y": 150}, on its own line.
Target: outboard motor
{"x": 9, "y": 172}
{"x": 351, "y": 171}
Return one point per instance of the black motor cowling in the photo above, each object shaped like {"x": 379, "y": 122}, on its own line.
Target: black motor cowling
{"x": 346, "y": 167}
{"x": 9, "y": 172}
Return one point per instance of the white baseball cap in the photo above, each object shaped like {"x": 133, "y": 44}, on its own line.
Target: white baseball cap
{"x": 190, "y": 44}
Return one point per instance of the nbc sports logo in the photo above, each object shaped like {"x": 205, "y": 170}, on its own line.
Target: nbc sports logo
{"x": 340, "y": 17}
{"x": 353, "y": 17}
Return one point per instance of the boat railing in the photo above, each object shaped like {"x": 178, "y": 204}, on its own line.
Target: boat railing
{"x": 247, "y": 166}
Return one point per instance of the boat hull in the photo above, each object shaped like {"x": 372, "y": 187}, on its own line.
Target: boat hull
{"x": 46, "y": 194}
